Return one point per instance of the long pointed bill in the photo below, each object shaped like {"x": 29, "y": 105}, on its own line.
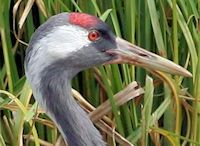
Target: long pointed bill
{"x": 132, "y": 54}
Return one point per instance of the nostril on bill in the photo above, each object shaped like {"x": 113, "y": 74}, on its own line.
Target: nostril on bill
{"x": 143, "y": 55}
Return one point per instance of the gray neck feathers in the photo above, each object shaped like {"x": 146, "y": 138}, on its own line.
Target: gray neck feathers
{"x": 74, "y": 124}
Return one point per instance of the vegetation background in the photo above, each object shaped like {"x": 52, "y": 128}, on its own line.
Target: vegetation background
{"x": 167, "y": 114}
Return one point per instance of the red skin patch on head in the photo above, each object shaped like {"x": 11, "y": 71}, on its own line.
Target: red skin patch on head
{"x": 83, "y": 20}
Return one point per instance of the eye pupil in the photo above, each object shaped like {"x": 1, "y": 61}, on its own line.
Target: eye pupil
{"x": 93, "y": 35}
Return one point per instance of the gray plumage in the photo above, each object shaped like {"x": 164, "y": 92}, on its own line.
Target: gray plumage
{"x": 74, "y": 123}
{"x": 52, "y": 60}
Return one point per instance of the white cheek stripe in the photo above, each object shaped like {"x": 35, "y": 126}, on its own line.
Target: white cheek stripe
{"x": 65, "y": 39}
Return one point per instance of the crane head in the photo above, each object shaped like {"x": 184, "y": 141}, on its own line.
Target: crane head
{"x": 76, "y": 41}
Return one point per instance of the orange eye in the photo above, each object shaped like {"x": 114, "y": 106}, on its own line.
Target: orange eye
{"x": 93, "y": 35}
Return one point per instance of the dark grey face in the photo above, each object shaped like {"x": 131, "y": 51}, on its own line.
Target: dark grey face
{"x": 95, "y": 53}
{"x": 106, "y": 40}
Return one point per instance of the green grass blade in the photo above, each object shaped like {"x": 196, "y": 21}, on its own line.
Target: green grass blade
{"x": 147, "y": 109}
{"x": 188, "y": 37}
{"x": 156, "y": 26}
{"x": 10, "y": 65}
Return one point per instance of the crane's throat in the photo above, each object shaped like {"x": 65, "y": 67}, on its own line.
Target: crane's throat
{"x": 72, "y": 121}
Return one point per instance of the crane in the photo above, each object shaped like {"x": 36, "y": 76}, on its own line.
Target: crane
{"x": 66, "y": 44}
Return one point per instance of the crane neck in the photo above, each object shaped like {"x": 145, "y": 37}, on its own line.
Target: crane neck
{"x": 72, "y": 121}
